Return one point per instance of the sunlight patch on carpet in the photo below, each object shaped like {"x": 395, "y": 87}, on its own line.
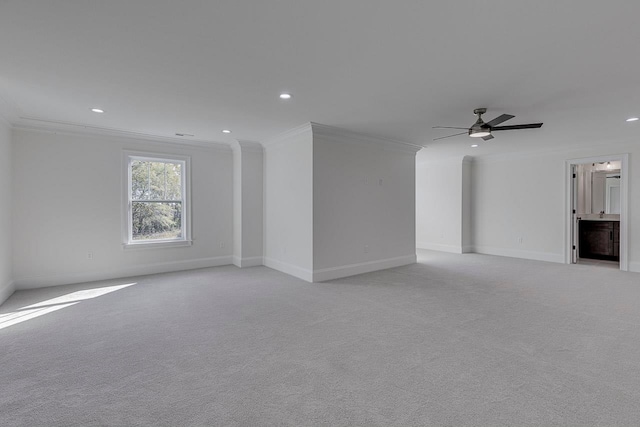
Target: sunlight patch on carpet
{"x": 54, "y": 304}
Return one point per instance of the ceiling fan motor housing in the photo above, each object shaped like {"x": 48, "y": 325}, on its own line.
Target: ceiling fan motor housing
{"x": 479, "y": 128}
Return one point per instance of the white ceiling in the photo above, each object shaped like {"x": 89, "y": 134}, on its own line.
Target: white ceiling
{"x": 389, "y": 68}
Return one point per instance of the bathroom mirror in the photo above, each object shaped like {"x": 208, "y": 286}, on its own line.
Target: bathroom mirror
{"x": 605, "y": 192}
{"x": 599, "y": 188}
{"x": 612, "y": 194}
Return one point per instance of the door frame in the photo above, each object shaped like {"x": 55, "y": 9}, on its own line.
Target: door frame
{"x": 624, "y": 204}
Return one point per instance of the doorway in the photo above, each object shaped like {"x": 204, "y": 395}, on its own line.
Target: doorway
{"x": 597, "y": 211}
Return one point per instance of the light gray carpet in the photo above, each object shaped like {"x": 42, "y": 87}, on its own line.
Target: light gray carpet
{"x": 453, "y": 340}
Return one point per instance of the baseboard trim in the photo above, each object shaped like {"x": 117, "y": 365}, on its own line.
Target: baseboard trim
{"x": 43, "y": 281}
{"x": 634, "y": 267}
{"x": 454, "y": 249}
{"x": 324, "y": 274}
{"x": 516, "y": 253}
{"x": 253, "y": 261}
{"x": 6, "y": 291}
{"x": 292, "y": 270}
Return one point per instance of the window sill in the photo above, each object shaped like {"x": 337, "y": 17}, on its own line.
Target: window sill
{"x": 156, "y": 245}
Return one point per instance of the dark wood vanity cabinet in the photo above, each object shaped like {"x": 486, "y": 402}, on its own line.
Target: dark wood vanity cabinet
{"x": 599, "y": 239}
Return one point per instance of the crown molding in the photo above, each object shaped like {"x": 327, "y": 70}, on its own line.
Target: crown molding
{"x": 287, "y": 135}
{"x": 69, "y": 128}
{"x": 446, "y": 161}
{"x": 348, "y": 136}
{"x": 247, "y": 146}
{"x": 427, "y": 157}
{"x": 572, "y": 151}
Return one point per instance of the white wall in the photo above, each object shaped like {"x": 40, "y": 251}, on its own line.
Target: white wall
{"x": 363, "y": 203}
{"x": 518, "y": 207}
{"x": 247, "y": 203}
{"x": 288, "y": 203}
{"x": 68, "y": 202}
{"x": 237, "y": 203}
{"x": 467, "y": 214}
{"x": 523, "y": 196}
{"x": 252, "y": 204}
{"x": 440, "y": 214}
{"x": 598, "y": 191}
{"x": 6, "y": 193}
{"x": 583, "y": 176}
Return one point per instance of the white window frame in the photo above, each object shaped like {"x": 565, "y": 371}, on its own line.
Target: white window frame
{"x": 128, "y": 157}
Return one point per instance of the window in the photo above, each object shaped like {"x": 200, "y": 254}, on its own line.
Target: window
{"x": 157, "y": 203}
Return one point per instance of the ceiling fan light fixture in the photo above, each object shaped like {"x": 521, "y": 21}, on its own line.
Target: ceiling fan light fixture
{"x": 479, "y": 133}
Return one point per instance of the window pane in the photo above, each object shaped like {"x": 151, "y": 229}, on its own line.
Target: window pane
{"x": 174, "y": 181}
{"x": 156, "y": 220}
{"x": 139, "y": 180}
{"x": 157, "y": 181}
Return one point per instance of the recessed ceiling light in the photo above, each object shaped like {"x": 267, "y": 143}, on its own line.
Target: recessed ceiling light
{"x": 474, "y": 145}
{"x": 97, "y": 110}
{"x": 226, "y": 131}
{"x": 285, "y": 96}
{"x": 632, "y": 119}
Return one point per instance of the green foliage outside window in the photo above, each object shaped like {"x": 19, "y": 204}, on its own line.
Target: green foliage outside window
{"x": 156, "y": 194}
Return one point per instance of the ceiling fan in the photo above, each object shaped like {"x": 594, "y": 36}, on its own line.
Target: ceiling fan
{"x": 483, "y": 130}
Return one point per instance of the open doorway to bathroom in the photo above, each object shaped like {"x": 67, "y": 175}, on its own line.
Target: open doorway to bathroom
{"x": 597, "y": 200}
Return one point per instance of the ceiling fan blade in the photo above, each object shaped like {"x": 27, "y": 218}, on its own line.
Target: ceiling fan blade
{"x": 515, "y": 127}
{"x": 488, "y": 137}
{"x": 499, "y": 119}
{"x": 446, "y": 127}
{"x": 457, "y": 134}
